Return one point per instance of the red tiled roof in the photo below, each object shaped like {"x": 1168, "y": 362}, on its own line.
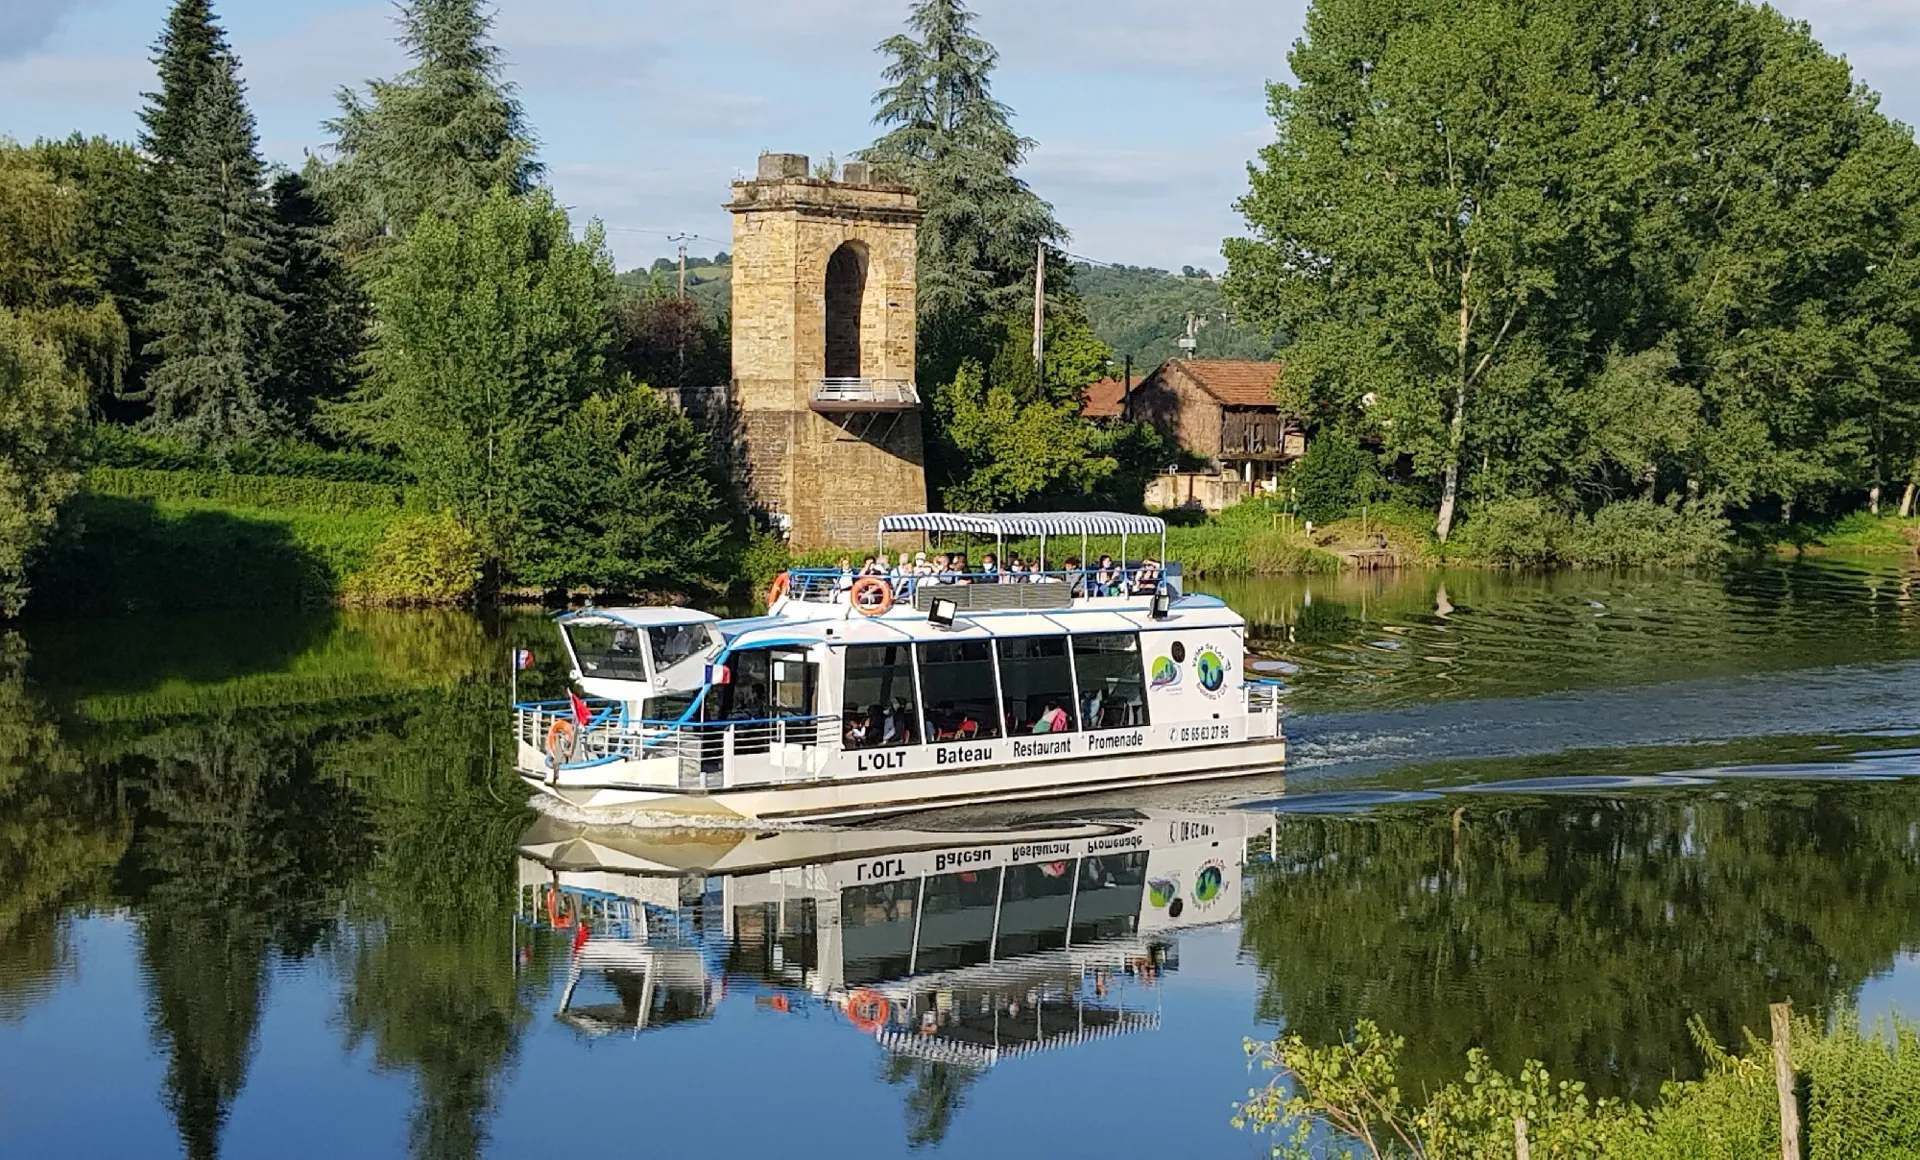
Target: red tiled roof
{"x": 1235, "y": 382}
{"x": 1105, "y": 399}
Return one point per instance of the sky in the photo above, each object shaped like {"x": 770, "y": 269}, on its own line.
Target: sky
{"x": 1146, "y": 112}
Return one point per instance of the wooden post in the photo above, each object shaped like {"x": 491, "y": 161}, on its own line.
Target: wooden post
{"x": 1521, "y": 1149}
{"x": 1782, "y": 1014}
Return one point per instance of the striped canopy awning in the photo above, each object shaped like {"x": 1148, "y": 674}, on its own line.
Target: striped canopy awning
{"x": 1028, "y": 523}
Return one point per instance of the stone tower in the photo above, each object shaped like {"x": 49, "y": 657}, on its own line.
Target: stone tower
{"x": 823, "y": 348}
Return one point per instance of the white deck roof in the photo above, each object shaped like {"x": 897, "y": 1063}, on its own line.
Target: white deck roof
{"x": 1027, "y": 523}
{"x": 640, "y": 617}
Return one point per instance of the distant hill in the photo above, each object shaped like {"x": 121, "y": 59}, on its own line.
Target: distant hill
{"x": 1136, "y": 310}
{"x": 709, "y": 280}
{"x": 1141, "y": 311}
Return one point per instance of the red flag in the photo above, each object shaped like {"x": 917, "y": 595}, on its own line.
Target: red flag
{"x": 581, "y": 713}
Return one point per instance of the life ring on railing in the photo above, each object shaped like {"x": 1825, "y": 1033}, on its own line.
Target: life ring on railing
{"x": 562, "y": 738}
{"x": 869, "y": 584}
{"x": 868, "y": 1010}
{"x": 779, "y": 589}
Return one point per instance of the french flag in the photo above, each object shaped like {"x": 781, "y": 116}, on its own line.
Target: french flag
{"x": 522, "y": 659}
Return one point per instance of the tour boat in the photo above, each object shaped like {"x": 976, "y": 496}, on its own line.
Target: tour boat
{"x": 859, "y": 695}
{"x": 969, "y": 946}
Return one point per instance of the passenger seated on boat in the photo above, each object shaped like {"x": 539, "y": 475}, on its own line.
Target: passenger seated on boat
{"x": 751, "y": 705}
{"x": 843, "y": 582}
{"x": 890, "y": 722}
{"x": 859, "y": 728}
{"x": 962, "y": 572}
{"x": 1106, "y": 582}
{"x": 1076, "y": 577}
{"x": 1147, "y": 580}
{"x": 1053, "y": 720}
{"x": 990, "y": 567}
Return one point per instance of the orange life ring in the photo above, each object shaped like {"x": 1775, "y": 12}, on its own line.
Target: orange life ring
{"x": 868, "y": 1010}
{"x": 868, "y": 584}
{"x": 779, "y": 589}
{"x": 561, "y": 739}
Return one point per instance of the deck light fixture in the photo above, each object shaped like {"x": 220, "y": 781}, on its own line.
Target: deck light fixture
{"x": 943, "y": 611}
{"x": 1162, "y": 606}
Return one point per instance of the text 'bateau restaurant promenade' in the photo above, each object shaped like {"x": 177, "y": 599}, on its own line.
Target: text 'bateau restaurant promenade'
{"x": 826, "y": 415}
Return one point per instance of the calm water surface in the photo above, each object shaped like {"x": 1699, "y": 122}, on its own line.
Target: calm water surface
{"x": 266, "y": 888}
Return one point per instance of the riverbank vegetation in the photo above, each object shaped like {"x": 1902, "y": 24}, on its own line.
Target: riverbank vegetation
{"x": 1861, "y": 1095}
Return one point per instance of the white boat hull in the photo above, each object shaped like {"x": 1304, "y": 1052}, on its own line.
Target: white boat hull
{"x": 848, "y": 797}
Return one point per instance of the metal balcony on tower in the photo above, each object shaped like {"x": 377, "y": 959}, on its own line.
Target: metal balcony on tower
{"x": 841, "y": 395}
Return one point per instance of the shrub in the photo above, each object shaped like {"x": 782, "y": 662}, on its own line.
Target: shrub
{"x": 425, "y": 559}
{"x": 1634, "y": 533}
{"x": 1516, "y": 533}
{"x": 116, "y": 446}
{"x": 261, "y": 492}
{"x": 1335, "y": 476}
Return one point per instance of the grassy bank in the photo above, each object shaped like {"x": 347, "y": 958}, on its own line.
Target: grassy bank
{"x": 1855, "y": 531}
{"x": 151, "y": 539}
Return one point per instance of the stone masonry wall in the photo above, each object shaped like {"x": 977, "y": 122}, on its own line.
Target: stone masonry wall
{"x": 834, "y": 476}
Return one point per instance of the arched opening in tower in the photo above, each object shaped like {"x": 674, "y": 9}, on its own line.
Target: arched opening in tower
{"x": 846, "y": 290}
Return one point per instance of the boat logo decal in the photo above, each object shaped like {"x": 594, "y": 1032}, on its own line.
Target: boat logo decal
{"x": 1210, "y": 669}
{"x": 1209, "y": 882}
{"x": 1166, "y": 672}
{"x": 1163, "y": 892}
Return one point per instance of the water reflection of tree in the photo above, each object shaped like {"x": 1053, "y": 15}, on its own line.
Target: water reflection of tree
{"x": 61, "y": 832}
{"x": 1584, "y": 931}
{"x": 939, "y": 1092}
{"x": 241, "y": 851}
{"x": 430, "y": 972}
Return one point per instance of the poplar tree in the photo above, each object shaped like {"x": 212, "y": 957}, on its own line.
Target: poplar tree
{"x": 434, "y": 140}
{"x": 948, "y": 137}
{"x": 214, "y": 312}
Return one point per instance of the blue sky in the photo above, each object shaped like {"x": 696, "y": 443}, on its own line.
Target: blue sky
{"x": 1146, "y": 111}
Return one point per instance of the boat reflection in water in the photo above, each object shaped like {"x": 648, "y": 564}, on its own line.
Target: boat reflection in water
{"x": 962, "y": 947}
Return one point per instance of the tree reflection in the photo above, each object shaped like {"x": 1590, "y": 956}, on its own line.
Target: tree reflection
{"x": 939, "y": 1092}
{"x": 241, "y": 851}
{"x": 1584, "y": 931}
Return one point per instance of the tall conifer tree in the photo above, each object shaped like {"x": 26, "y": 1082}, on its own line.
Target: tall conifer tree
{"x": 954, "y": 143}
{"x": 214, "y": 312}
{"x": 434, "y": 140}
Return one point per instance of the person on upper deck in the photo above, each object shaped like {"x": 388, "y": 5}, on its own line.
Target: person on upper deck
{"x": 1076, "y": 577}
{"x": 990, "y": 568}
{"x": 1146, "y": 581}
{"x": 1106, "y": 582}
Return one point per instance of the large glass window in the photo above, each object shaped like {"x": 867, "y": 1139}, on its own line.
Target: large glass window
{"x": 1037, "y": 681}
{"x": 609, "y": 651}
{"x": 878, "y": 707}
{"x": 876, "y": 930}
{"x": 956, "y": 679}
{"x": 956, "y": 926}
{"x": 1112, "y": 681}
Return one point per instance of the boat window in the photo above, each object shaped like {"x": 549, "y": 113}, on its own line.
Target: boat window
{"x": 878, "y": 707}
{"x": 1036, "y": 905}
{"x": 608, "y": 651}
{"x": 669, "y": 708}
{"x": 674, "y": 644}
{"x": 876, "y": 930}
{"x": 1111, "y": 888}
{"x": 956, "y": 679}
{"x": 956, "y": 923}
{"x": 1037, "y": 681}
{"x": 775, "y": 941}
{"x": 1112, "y": 682}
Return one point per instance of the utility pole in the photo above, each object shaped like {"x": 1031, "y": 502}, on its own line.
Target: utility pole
{"x": 682, "y": 239}
{"x": 1039, "y": 309}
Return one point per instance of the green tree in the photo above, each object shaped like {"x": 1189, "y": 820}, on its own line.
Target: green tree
{"x": 626, "y": 499}
{"x": 434, "y": 140}
{"x": 954, "y": 143}
{"x": 1443, "y": 175}
{"x": 316, "y": 347}
{"x": 491, "y": 328}
{"x": 189, "y": 56}
{"x": 42, "y": 429}
{"x": 1005, "y": 448}
{"x": 213, "y": 313}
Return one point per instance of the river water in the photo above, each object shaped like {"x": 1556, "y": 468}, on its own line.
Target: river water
{"x": 267, "y": 890}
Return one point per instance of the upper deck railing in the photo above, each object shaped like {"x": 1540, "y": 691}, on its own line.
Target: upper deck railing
{"x": 978, "y": 590}
{"x": 865, "y": 395}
